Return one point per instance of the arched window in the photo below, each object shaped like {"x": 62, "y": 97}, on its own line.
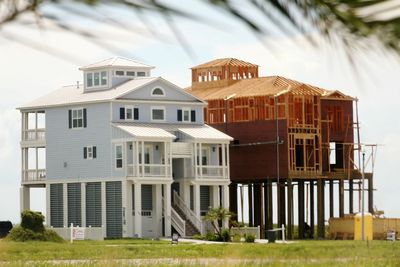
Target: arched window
{"x": 158, "y": 92}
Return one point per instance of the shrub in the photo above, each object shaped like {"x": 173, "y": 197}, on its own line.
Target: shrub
{"x": 236, "y": 238}
{"x": 211, "y": 236}
{"x": 226, "y": 235}
{"x": 32, "y": 220}
{"x": 21, "y": 234}
{"x": 199, "y": 237}
{"x": 249, "y": 238}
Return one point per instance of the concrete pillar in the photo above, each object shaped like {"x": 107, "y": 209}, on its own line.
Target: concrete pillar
{"x": 24, "y": 198}
{"x": 138, "y": 210}
{"x": 341, "y": 198}
{"x": 157, "y": 209}
{"x": 331, "y": 199}
{"x": 312, "y": 216}
{"x": 351, "y": 196}
{"x": 65, "y": 204}
{"x": 300, "y": 188}
{"x": 257, "y": 204}
{"x": 103, "y": 209}
{"x": 225, "y": 203}
{"x": 371, "y": 194}
{"x": 196, "y": 199}
{"x": 321, "y": 209}
{"x": 167, "y": 209}
{"x": 215, "y": 196}
{"x": 251, "y": 208}
{"x": 47, "y": 204}
{"x": 289, "y": 209}
{"x": 83, "y": 204}
{"x": 128, "y": 209}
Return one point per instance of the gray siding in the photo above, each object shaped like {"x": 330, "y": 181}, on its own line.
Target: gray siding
{"x": 64, "y": 146}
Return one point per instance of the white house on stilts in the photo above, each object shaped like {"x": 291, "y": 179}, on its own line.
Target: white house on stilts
{"x": 125, "y": 153}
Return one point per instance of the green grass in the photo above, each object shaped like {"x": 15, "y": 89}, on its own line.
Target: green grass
{"x": 300, "y": 253}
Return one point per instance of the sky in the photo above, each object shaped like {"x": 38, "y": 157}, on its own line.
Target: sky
{"x": 36, "y": 60}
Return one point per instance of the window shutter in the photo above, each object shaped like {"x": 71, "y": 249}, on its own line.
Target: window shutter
{"x": 94, "y": 152}
{"x": 85, "y": 152}
{"x": 179, "y": 114}
{"x": 70, "y": 119}
{"x": 84, "y": 118}
{"x": 193, "y": 115}
{"x": 122, "y": 113}
{"x": 135, "y": 113}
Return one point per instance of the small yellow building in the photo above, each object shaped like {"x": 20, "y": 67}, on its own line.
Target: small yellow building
{"x": 368, "y": 226}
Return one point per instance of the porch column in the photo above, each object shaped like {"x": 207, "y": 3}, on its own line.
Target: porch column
{"x": 83, "y": 204}
{"x": 24, "y": 200}
{"x": 142, "y": 157}
{"x": 124, "y": 207}
{"x": 224, "y": 173}
{"x": 138, "y": 210}
{"x": 200, "y": 161}
{"x": 225, "y": 203}
{"x": 196, "y": 199}
{"x": 215, "y": 196}
{"x": 167, "y": 209}
{"x": 48, "y": 205}
{"x": 157, "y": 209}
{"x": 136, "y": 158}
{"x": 65, "y": 203}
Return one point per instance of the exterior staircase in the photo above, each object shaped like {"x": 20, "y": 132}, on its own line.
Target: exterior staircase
{"x": 190, "y": 229}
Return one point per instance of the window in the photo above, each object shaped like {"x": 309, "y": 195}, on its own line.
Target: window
{"x": 186, "y": 115}
{"x": 103, "y": 78}
{"x": 129, "y": 113}
{"x": 157, "y": 114}
{"x": 141, "y": 73}
{"x": 158, "y": 92}
{"x": 120, "y": 73}
{"x": 96, "y": 76}
{"x": 118, "y": 156}
{"x": 130, "y": 73}
{"x": 96, "y": 79}
{"x": 89, "y": 79}
{"x": 89, "y": 152}
{"x": 77, "y": 118}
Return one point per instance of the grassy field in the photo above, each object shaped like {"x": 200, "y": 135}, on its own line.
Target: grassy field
{"x": 147, "y": 253}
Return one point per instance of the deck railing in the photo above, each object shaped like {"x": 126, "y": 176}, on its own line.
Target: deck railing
{"x": 178, "y": 223}
{"x": 148, "y": 170}
{"x": 34, "y": 175}
{"x": 211, "y": 171}
{"x": 34, "y": 135}
{"x": 190, "y": 215}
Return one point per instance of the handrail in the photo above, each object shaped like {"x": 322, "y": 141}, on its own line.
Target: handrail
{"x": 187, "y": 211}
{"x": 178, "y": 222}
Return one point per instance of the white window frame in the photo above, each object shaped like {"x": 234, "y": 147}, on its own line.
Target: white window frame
{"x": 131, "y": 108}
{"x": 77, "y": 118}
{"x": 158, "y": 108}
{"x": 131, "y": 71}
{"x": 189, "y": 114}
{"x": 89, "y": 153}
{"x": 119, "y": 158}
{"x": 119, "y": 75}
{"x": 162, "y": 90}
{"x": 137, "y": 74}
{"x": 92, "y": 75}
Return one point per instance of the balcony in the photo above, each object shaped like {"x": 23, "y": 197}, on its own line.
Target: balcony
{"x": 212, "y": 172}
{"x": 149, "y": 170}
{"x": 33, "y": 137}
{"x": 38, "y": 175}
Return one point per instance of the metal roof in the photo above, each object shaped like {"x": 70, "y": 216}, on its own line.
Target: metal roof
{"x": 225, "y": 62}
{"x": 145, "y": 132}
{"x": 117, "y": 62}
{"x": 70, "y": 95}
{"x": 205, "y": 133}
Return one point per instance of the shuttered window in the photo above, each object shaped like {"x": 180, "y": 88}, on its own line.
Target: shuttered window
{"x": 114, "y": 209}
{"x": 186, "y": 115}
{"x": 129, "y": 113}
{"x": 56, "y": 205}
{"x": 77, "y": 118}
{"x": 89, "y": 152}
{"x": 204, "y": 199}
{"x": 74, "y": 204}
{"x": 93, "y": 204}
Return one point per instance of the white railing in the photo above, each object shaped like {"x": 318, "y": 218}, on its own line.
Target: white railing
{"x": 34, "y": 175}
{"x": 178, "y": 201}
{"x": 148, "y": 170}
{"x": 178, "y": 223}
{"x": 211, "y": 171}
{"x": 34, "y": 135}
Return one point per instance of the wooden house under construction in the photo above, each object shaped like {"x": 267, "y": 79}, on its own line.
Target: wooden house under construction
{"x": 287, "y": 134}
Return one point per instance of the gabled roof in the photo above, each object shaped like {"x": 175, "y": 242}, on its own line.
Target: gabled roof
{"x": 263, "y": 86}
{"x": 116, "y": 62}
{"x": 225, "y": 62}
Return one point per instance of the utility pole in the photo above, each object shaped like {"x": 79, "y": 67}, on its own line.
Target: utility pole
{"x": 362, "y": 196}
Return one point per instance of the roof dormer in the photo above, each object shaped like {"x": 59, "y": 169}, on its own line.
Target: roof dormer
{"x": 108, "y": 73}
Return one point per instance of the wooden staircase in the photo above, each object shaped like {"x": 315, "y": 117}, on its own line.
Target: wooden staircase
{"x": 190, "y": 229}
